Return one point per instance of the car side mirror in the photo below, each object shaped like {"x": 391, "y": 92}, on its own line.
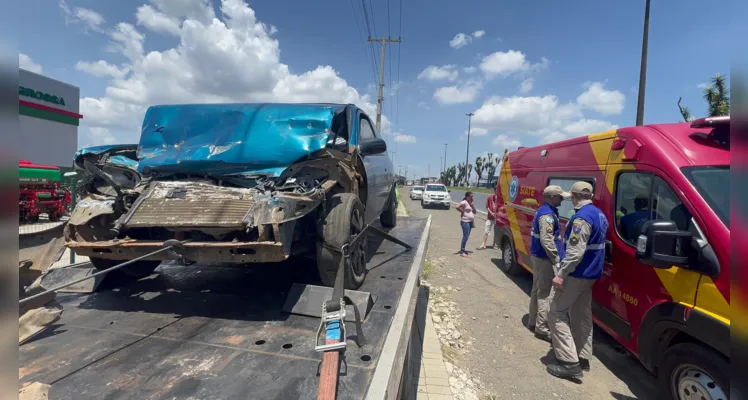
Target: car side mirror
{"x": 371, "y": 146}
{"x": 661, "y": 245}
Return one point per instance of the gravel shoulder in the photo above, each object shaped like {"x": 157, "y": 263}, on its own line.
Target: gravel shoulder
{"x": 480, "y": 315}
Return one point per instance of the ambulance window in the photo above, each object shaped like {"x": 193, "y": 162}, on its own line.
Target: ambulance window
{"x": 668, "y": 206}
{"x": 566, "y": 209}
{"x": 632, "y": 204}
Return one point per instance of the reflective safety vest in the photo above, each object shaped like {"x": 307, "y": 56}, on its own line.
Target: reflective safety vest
{"x": 536, "y": 247}
{"x": 591, "y": 266}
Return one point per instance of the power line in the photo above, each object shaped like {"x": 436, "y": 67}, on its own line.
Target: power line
{"x": 368, "y": 33}
{"x": 399, "y": 34}
{"x": 363, "y": 46}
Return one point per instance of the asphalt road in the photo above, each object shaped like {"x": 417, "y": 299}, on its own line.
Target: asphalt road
{"x": 479, "y": 199}
{"x": 506, "y": 357}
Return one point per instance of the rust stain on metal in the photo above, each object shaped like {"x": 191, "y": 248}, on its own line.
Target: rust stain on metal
{"x": 235, "y": 340}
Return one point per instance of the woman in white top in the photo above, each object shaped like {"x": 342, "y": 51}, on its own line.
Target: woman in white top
{"x": 467, "y": 218}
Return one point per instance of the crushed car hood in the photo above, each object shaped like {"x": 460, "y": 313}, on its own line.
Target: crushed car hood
{"x": 118, "y": 154}
{"x": 251, "y": 138}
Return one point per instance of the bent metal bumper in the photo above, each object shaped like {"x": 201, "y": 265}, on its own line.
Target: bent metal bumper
{"x": 226, "y": 252}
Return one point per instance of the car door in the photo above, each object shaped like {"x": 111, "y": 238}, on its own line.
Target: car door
{"x": 628, "y": 289}
{"x": 378, "y": 172}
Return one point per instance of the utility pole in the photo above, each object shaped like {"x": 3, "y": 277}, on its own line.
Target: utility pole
{"x": 441, "y": 164}
{"x": 429, "y": 174}
{"x": 383, "y": 42}
{"x": 467, "y": 151}
{"x": 643, "y": 68}
{"x": 445, "y": 157}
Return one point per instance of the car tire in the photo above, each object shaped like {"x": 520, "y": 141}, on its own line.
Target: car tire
{"x": 690, "y": 369}
{"x": 389, "y": 215}
{"x": 136, "y": 270}
{"x": 508, "y": 262}
{"x": 344, "y": 218}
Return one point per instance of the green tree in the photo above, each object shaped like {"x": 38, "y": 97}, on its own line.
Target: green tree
{"x": 717, "y": 97}
{"x": 480, "y": 165}
{"x": 492, "y": 162}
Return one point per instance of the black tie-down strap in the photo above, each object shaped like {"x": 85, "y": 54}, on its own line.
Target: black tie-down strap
{"x": 338, "y": 291}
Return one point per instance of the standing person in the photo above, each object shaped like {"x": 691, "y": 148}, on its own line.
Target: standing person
{"x": 582, "y": 265}
{"x": 547, "y": 251}
{"x": 467, "y": 218}
{"x": 491, "y": 220}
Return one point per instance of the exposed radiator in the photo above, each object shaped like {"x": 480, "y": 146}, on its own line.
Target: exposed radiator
{"x": 191, "y": 204}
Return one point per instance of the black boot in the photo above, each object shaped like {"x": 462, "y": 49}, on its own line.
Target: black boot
{"x": 544, "y": 336}
{"x": 584, "y": 364}
{"x": 565, "y": 370}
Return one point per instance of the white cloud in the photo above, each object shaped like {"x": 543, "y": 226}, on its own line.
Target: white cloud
{"x": 157, "y": 21}
{"x": 422, "y": 104}
{"x": 584, "y": 127}
{"x": 434, "y": 73}
{"x": 457, "y": 94}
{"x": 504, "y": 63}
{"x": 596, "y": 97}
{"x": 477, "y": 131}
{"x": 554, "y": 137}
{"x": 541, "y": 116}
{"x": 209, "y": 64}
{"x": 470, "y": 70}
{"x": 28, "y": 64}
{"x": 505, "y": 142}
{"x": 460, "y": 40}
{"x": 101, "y": 68}
{"x": 90, "y": 18}
{"x": 703, "y": 85}
{"x": 526, "y": 85}
{"x": 463, "y": 39}
{"x": 407, "y": 139}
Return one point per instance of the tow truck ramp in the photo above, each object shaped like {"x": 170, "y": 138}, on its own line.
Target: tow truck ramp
{"x": 230, "y": 332}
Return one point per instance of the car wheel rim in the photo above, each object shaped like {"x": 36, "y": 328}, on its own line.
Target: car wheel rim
{"x": 507, "y": 255}
{"x": 358, "y": 253}
{"x": 692, "y": 382}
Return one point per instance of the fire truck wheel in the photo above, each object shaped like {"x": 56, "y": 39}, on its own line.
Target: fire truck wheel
{"x": 508, "y": 262}
{"x": 137, "y": 270}
{"x": 691, "y": 371}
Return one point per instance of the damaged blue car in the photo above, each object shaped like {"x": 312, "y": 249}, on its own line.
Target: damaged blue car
{"x": 236, "y": 183}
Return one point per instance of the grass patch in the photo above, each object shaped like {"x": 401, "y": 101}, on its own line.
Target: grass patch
{"x": 449, "y": 353}
{"x": 428, "y": 268}
{"x": 474, "y": 190}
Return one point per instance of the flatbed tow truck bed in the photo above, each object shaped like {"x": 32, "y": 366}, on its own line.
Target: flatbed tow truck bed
{"x": 211, "y": 332}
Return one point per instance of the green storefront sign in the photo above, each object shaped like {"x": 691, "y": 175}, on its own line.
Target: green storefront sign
{"x": 35, "y": 94}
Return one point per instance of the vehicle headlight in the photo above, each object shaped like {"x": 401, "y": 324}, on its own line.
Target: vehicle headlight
{"x": 425, "y": 196}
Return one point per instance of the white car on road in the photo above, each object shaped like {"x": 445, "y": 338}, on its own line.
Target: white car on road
{"x": 436, "y": 195}
{"x": 416, "y": 192}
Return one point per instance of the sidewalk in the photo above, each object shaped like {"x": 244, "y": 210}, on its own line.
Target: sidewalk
{"x": 433, "y": 381}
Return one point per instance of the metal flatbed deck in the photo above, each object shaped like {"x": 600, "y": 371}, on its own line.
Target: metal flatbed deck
{"x": 210, "y": 332}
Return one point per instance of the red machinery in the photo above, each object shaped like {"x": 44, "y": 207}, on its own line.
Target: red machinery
{"x": 40, "y": 192}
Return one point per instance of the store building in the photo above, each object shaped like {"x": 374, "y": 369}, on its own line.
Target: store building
{"x": 48, "y": 118}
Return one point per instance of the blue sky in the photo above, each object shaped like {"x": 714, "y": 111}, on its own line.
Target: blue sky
{"x": 579, "y": 62}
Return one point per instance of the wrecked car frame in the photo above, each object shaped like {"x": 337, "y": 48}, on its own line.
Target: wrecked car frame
{"x": 243, "y": 183}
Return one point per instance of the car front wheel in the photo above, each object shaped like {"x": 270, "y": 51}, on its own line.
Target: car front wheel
{"x": 343, "y": 222}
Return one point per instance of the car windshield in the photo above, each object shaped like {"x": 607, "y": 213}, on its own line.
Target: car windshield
{"x": 713, "y": 183}
{"x": 418, "y": 188}
{"x": 436, "y": 188}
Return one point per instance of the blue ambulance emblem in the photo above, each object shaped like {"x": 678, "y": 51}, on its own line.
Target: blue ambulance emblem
{"x": 513, "y": 188}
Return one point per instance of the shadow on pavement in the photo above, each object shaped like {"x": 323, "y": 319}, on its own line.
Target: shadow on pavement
{"x": 606, "y": 349}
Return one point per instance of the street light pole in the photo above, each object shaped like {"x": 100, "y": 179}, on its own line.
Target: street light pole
{"x": 643, "y": 68}
{"x": 445, "y": 157}
{"x": 467, "y": 150}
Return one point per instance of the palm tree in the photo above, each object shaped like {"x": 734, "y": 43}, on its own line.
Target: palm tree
{"x": 490, "y": 165}
{"x": 479, "y": 167}
{"x": 451, "y": 174}
{"x": 460, "y": 173}
{"x": 717, "y": 99}
{"x": 467, "y": 177}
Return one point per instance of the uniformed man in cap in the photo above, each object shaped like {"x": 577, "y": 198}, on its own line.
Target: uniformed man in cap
{"x": 546, "y": 250}
{"x": 581, "y": 266}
